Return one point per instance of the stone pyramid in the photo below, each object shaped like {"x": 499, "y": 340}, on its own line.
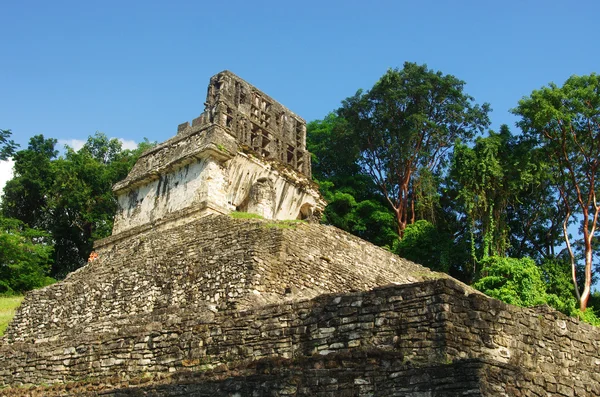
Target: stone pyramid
{"x": 190, "y": 298}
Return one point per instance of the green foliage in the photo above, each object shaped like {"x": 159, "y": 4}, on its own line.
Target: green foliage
{"x": 25, "y": 257}
{"x": 520, "y": 282}
{"x": 556, "y": 274}
{"x": 423, "y": 243}
{"x": 594, "y": 303}
{"x": 8, "y": 305}
{"x": 334, "y": 150}
{"x": 368, "y": 218}
{"x": 7, "y": 146}
{"x": 515, "y": 281}
{"x": 69, "y": 197}
{"x": 588, "y": 316}
{"x": 354, "y": 203}
{"x": 25, "y": 196}
{"x": 479, "y": 175}
{"x": 499, "y": 191}
{"x": 565, "y": 124}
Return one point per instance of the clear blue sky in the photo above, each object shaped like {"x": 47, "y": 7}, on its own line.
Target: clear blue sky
{"x": 138, "y": 69}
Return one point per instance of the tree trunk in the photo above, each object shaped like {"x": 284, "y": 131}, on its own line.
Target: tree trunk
{"x": 402, "y": 209}
{"x": 585, "y": 295}
{"x": 401, "y": 222}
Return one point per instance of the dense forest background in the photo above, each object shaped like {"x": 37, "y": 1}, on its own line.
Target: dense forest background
{"x": 409, "y": 164}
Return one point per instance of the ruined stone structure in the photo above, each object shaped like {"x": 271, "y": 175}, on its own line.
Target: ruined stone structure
{"x": 245, "y": 152}
{"x": 184, "y": 300}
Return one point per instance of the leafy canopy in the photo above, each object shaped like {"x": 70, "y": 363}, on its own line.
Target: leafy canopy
{"x": 564, "y": 122}
{"x": 7, "y": 146}
{"x": 406, "y": 125}
{"x": 515, "y": 281}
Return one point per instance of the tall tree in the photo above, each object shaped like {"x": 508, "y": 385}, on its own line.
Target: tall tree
{"x": 565, "y": 123}
{"x": 404, "y": 128}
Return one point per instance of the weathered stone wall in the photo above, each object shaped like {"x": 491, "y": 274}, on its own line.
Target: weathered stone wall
{"x": 435, "y": 324}
{"x": 355, "y": 373}
{"x": 294, "y": 197}
{"x": 176, "y": 152}
{"x": 210, "y": 264}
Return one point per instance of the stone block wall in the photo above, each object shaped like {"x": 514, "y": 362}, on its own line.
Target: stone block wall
{"x": 357, "y": 373}
{"x": 207, "y": 265}
{"x": 176, "y": 152}
{"x": 438, "y": 326}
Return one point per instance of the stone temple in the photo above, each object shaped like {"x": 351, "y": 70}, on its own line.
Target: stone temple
{"x": 188, "y": 299}
{"x": 245, "y": 152}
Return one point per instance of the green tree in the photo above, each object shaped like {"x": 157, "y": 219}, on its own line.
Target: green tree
{"x": 334, "y": 152}
{"x": 354, "y": 202}
{"x": 556, "y": 274}
{"x": 25, "y": 257}
{"x": 81, "y": 199}
{"x": 26, "y": 195}
{"x": 69, "y": 197}
{"x": 368, "y": 219}
{"x": 7, "y": 146}
{"x": 499, "y": 189}
{"x": 565, "y": 123}
{"x": 405, "y": 126}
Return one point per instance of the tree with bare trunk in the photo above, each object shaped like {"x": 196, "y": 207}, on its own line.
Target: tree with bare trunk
{"x": 565, "y": 123}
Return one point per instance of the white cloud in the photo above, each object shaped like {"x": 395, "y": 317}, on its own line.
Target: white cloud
{"x": 77, "y": 144}
{"x": 6, "y": 172}
{"x": 74, "y": 144}
{"x": 128, "y": 143}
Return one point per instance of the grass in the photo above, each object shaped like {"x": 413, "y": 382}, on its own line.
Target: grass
{"x": 244, "y": 215}
{"x": 285, "y": 224}
{"x": 8, "y": 306}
